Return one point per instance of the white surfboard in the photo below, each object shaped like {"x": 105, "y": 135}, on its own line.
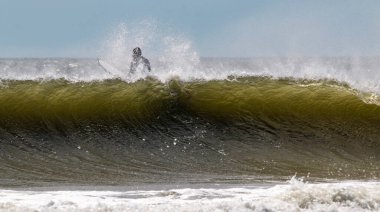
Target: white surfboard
{"x": 110, "y": 69}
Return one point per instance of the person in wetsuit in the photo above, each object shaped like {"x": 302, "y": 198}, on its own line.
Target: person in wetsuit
{"x": 138, "y": 59}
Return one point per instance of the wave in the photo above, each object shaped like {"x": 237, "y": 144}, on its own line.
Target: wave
{"x": 114, "y": 132}
{"x": 236, "y": 98}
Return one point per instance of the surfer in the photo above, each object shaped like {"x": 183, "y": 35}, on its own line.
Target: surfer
{"x": 138, "y": 59}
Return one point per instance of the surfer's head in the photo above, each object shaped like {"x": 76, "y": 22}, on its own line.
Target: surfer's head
{"x": 137, "y": 52}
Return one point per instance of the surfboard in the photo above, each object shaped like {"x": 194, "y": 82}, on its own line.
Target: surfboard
{"x": 110, "y": 69}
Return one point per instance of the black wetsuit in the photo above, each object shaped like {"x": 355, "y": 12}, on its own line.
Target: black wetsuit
{"x": 136, "y": 61}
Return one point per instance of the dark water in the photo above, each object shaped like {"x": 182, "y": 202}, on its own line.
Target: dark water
{"x": 234, "y": 130}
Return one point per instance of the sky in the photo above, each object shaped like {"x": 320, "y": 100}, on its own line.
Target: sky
{"x": 216, "y": 28}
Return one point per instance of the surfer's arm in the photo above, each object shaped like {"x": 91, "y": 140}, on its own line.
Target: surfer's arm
{"x": 147, "y": 64}
{"x": 132, "y": 68}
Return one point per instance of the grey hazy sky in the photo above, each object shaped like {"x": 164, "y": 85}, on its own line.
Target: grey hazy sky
{"x": 234, "y": 28}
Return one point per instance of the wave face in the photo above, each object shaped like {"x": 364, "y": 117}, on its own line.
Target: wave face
{"x": 58, "y": 128}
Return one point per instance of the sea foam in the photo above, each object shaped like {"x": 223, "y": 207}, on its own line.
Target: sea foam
{"x": 295, "y": 196}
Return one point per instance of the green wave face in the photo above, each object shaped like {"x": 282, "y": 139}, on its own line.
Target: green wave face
{"x": 52, "y": 100}
{"x": 239, "y": 98}
{"x": 286, "y": 98}
{"x": 149, "y": 131}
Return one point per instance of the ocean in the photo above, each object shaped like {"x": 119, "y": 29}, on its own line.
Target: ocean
{"x": 214, "y": 134}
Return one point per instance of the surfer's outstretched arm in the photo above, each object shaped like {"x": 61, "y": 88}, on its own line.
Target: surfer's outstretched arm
{"x": 132, "y": 68}
{"x": 147, "y": 64}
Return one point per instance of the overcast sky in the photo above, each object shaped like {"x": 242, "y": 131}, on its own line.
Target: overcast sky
{"x": 231, "y": 28}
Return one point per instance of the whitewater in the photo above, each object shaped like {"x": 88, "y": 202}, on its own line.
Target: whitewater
{"x": 298, "y": 196}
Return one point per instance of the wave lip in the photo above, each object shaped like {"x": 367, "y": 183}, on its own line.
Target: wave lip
{"x": 360, "y": 73}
